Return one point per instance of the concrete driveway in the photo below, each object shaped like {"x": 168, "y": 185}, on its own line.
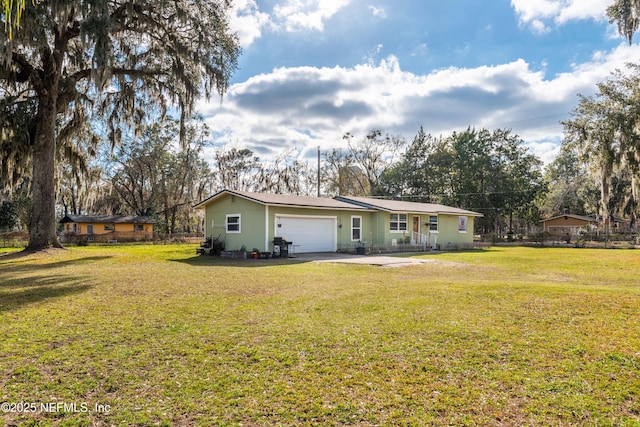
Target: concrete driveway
{"x": 381, "y": 260}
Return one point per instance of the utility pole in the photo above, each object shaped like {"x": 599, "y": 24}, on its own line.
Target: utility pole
{"x": 318, "y": 171}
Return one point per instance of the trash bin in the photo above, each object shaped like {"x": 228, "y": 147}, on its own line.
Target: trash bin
{"x": 361, "y": 250}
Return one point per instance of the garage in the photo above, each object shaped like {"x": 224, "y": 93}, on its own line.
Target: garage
{"x": 308, "y": 233}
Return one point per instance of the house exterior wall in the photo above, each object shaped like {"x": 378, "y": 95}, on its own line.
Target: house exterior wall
{"x": 122, "y": 232}
{"x": 447, "y": 235}
{"x": 562, "y": 225}
{"x": 99, "y": 228}
{"x": 252, "y": 222}
{"x": 258, "y": 225}
{"x": 258, "y": 222}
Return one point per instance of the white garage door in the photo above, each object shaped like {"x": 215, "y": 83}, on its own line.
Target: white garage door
{"x": 308, "y": 234}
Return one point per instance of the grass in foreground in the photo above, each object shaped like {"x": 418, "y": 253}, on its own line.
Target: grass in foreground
{"x": 157, "y": 336}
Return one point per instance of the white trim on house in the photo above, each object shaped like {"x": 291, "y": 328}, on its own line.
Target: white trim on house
{"x": 437, "y": 223}
{"x": 398, "y": 222}
{"x": 227, "y": 223}
{"x": 266, "y": 228}
{"x": 359, "y": 228}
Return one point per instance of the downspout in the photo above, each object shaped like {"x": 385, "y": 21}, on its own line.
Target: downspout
{"x": 266, "y": 228}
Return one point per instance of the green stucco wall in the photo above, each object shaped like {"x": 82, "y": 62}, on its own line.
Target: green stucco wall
{"x": 253, "y": 224}
{"x": 252, "y": 230}
{"x": 447, "y": 235}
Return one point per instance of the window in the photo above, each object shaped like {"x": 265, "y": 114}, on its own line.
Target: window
{"x": 138, "y": 227}
{"x": 398, "y": 222}
{"x": 233, "y": 223}
{"x": 356, "y": 228}
{"x": 433, "y": 223}
{"x": 109, "y": 227}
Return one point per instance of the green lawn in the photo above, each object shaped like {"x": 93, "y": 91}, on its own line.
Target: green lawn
{"x": 158, "y": 336}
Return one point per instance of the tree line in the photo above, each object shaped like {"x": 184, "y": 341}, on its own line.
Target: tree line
{"x": 167, "y": 167}
{"x": 154, "y": 174}
{"x": 66, "y": 67}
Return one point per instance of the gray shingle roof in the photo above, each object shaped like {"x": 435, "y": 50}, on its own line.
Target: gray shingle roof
{"x": 409, "y": 207}
{"x": 342, "y": 202}
{"x": 286, "y": 200}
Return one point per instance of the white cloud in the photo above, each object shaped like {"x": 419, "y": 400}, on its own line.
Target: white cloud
{"x": 530, "y": 10}
{"x": 304, "y": 107}
{"x": 247, "y": 21}
{"x": 540, "y": 13}
{"x": 300, "y": 15}
{"x": 379, "y": 12}
{"x": 582, "y": 9}
{"x": 545, "y": 150}
{"x": 539, "y": 27}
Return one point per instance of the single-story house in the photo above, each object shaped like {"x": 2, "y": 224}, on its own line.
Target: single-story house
{"x": 104, "y": 228}
{"x": 321, "y": 224}
{"x": 572, "y": 225}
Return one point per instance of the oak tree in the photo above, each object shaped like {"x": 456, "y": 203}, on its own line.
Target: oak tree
{"x": 109, "y": 60}
{"x": 626, "y": 14}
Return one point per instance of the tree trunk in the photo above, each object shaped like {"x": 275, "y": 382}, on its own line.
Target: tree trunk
{"x": 42, "y": 231}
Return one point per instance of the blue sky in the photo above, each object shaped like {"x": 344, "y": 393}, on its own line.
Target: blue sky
{"x": 312, "y": 70}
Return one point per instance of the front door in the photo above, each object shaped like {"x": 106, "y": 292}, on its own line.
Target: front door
{"x": 415, "y": 238}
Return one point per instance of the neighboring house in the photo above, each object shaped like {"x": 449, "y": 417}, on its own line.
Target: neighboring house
{"x": 105, "y": 228}
{"x": 572, "y": 225}
{"x": 320, "y": 224}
